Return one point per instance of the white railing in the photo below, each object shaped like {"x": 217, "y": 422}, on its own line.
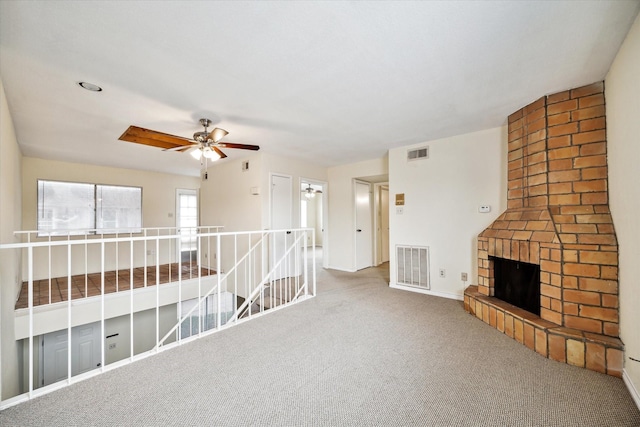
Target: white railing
{"x": 144, "y": 281}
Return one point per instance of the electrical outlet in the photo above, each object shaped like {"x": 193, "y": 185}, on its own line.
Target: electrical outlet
{"x": 443, "y": 273}
{"x": 112, "y": 346}
{"x": 463, "y": 277}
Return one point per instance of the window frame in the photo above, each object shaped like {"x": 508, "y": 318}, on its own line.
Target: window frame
{"x": 96, "y": 207}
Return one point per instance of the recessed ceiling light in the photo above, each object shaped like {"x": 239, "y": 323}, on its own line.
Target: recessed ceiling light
{"x": 90, "y": 86}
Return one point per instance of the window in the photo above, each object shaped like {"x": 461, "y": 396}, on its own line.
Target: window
{"x": 65, "y": 207}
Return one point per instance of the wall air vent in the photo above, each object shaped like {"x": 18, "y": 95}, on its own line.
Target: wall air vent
{"x": 412, "y": 265}
{"x": 418, "y": 154}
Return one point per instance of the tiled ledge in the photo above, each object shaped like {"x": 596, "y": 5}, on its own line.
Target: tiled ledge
{"x": 596, "y": 352}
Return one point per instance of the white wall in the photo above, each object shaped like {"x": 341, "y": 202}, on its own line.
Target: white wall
{"x": 442, "y": 195}
{"x": 341, "y": 208}
{"x": 158, "y": 205}
{"x": 10, "y": 220}
{"x": 622, "y": 91}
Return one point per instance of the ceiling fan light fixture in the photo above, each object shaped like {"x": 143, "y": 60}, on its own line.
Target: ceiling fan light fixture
{"x": 196, "y": 154}
{"x": 217, "y": 134}
{"x": 309, "y": 194}
{"x": 210, "y": 154}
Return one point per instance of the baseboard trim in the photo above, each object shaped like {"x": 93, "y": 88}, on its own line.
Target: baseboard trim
{"x": 427, "y": 292}
{"x": 341, "y": 269}
{"x": 631, "y": 387}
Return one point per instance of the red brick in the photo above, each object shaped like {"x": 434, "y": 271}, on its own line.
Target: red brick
{"x": 581, "y": 297}
{"x": 578, "y": 228}
{"x": 606, "y": 258}
{"x": 559, "y": 119}
{"x": 515, "y": 116}
{"x": 615, "y": 360}
{"x": 598, "y": 285}
{"x": 587, "y": 90}
{"x": 588, "y": 137}
{"x": 529, "y": 336}
{"x": 600, "y": 313}
{"x": 557, "y": 350}
{"x": 539, "y": 103}
{"x": 611, "y": 329}
{"x": 590, "y": 186}
{"x": 560, "y": 165}
{"x": 588, "y": 113}
{"x": 609, "y": 273}
{"x": 562, "y": 107}
{"x": 558, "y": 97}
{"x": 595, "y": 357}
{"x": 593, "y": 173}
{"x": 580, "y": 323}
{"x": 508, "y": 325}
{"x": 592, "y": 124}
{"x": 500, "y": 320}
{"x": 564, "y": 153}
{"x": 595, "y": 198}
{"x": 610, "y": 301}
{"x": 593, "y": 149}
{"x": 518, "y": 330}
{"x": 550, "y": 291}
{"x": 570, "y": 308}
{"x": 581, "y": 270}
{"x": 575, "y": 353}
{"x": 563, "y": 176}
{"x": 569, "y": 128}
{"x": 559, "y": 141}
{"x": 590, "y": 101}
{"x": 541, "y": 342}
{"x": 590, "y": 161}
{"x": 551, "y": 316}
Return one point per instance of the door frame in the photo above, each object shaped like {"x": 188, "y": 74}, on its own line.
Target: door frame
{"x": 355, "y": 223}
{"x": 292, "y": 217}
{"x": 325, "y": 214}
{"x": 377, "y": 230}
{"x": 179, "y": 192}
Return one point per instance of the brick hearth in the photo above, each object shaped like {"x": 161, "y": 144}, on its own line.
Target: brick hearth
{"x": 558, "y": 218}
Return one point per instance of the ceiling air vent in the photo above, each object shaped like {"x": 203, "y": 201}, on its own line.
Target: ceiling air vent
{"x": 418, "y": 154}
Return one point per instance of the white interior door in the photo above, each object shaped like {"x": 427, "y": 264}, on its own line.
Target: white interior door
{"x": 364, "y": 226}
{"x": 85, "y": 352}
{"x": 281, "y": 219}
{"x": 384, "y": 224}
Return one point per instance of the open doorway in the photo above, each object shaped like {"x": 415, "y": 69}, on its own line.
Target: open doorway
{"x": 187, "y": 223}
{"x": 313, "y": 215}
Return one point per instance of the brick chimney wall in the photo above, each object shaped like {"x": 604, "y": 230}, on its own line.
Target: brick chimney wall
{"x": 557, "y": 210}
{"x": 558, "y": 218}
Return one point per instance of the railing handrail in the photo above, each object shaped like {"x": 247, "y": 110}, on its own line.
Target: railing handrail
{"x": 254, "y": 263}
{"x": 215, "y": 288}
{"x": 264, "y": 280}
{"x": 121, "y": 239}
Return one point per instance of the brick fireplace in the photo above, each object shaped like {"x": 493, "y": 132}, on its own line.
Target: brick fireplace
{"x": 557, "y": 218}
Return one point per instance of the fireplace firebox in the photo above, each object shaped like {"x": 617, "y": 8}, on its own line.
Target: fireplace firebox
{"x": 517, "y": 283}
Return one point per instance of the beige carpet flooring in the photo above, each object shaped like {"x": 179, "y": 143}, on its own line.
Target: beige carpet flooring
{"x": 359, "y": 354}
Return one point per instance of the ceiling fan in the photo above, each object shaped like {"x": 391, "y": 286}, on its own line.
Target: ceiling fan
{"x": 310, "y": 192}
{"x": 204, "y": 145}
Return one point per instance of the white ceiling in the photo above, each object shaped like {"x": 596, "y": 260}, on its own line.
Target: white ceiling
{"x": 329, "y": 82}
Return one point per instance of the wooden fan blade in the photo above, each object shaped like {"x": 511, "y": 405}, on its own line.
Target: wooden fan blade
{"x": 240, "y": 146}
{"x": 220, "y": 153}
{"x": 182, "y": 148}
{"x": 153, "y": 138}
